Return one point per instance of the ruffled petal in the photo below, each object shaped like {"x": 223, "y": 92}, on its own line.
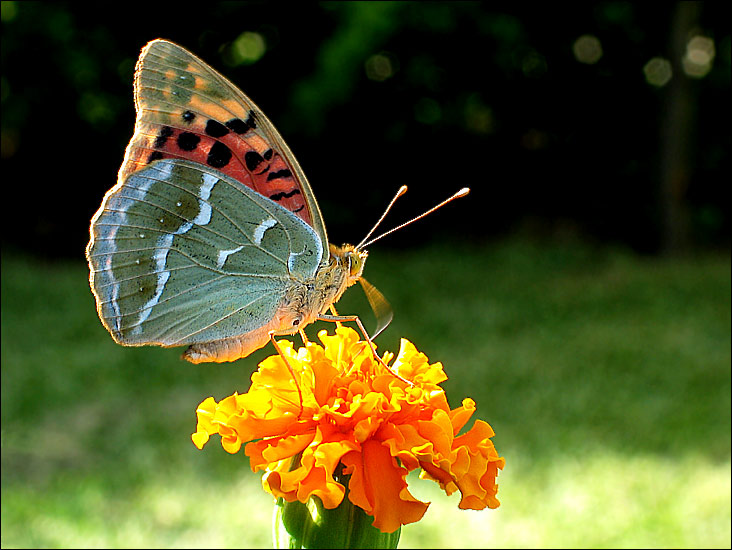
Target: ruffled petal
{"x": 379, "y": 487}
{"x": 476, "y": 467}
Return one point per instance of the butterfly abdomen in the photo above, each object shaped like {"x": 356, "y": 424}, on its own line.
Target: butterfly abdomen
{"x": 231, "y": 349}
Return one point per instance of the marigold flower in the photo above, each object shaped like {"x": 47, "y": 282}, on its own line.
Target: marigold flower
{"x": 356, "y": 414}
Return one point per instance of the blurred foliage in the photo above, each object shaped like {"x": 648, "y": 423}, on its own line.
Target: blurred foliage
{"x": 371, "y": 95}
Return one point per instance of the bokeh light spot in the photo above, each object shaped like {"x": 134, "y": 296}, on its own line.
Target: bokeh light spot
{"x": 697, "y": 61}
{"x": 658, "y": 71}
{"x": 248, "y": 48}
{"x": 381, "y": 66}
{"x": 587, "y": 49}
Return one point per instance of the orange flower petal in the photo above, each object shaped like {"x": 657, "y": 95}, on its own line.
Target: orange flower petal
{"x": 200, "y": 438}
{"x": 378, "y": 486}
{"x": 461, "y": 415}
{"x": 273, "y": 449}
{"x": 249, "y": 427}
{"x": 321, "y": 464}
{"x": 476, "y": 467}
{"x": 413, "y": 365}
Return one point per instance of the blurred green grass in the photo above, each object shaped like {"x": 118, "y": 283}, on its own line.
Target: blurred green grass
{"x": 606, "y": 378}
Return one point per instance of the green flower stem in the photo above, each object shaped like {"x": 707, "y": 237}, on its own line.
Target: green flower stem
{"x": 311, "y": 525}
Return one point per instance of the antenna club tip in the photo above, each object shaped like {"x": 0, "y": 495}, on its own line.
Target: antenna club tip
{"x": 464, "y": 191}
{"x": 402, "y": 190}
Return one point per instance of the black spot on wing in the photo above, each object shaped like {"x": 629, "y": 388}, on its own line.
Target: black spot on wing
{"x": 188, "y": 116}
{"x": 188, "y": 141}
{"x": 253, "y": 159}
{"x": 219, "y": 155}
{"x": 268, "y": 154}
{"x": 283, "y": 195}
{"x": 216, "y": 129}
{"x": 237, "y": 125}
{"x": 162, "y": 137}
{"x": 279, "y": 174}
{"x": 251, "y": 121}
{"x": 155, "y": 155}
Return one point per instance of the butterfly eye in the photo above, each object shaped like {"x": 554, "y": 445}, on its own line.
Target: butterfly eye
{"x": 354, "y": 263}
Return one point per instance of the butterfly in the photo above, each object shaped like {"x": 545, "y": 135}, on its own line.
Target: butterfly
{"x": 212, "y": 237}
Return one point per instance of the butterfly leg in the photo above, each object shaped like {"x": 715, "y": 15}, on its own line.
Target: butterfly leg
{"x": 338, "y": 319}
{"x": 335, "y": 314}
{"x": 287, "y": 364}
{"x": 305, "y": 340}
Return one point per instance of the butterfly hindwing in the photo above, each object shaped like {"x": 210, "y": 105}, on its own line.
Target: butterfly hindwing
{"x": 183, "y": 254}
{"x": 187, "y": 110}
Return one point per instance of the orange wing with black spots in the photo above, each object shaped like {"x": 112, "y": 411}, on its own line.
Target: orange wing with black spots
{"x": 187, "y": 110}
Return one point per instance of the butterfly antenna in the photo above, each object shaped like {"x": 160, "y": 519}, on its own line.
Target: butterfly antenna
{"x": 464, "y": 191}
{"x": 402, "y": 190}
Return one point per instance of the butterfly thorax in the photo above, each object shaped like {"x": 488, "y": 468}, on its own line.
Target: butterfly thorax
{"x": 343, "y": 270}
{"x": 306, "y": 300}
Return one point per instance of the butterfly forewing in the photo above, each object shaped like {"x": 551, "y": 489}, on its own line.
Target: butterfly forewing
{"x": 187, "y": 110}
{"x": 183, "y": 254}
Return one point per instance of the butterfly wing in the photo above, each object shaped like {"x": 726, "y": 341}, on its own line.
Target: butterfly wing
{"x": 187, "y": 110}
{"x": 182, "y": 254}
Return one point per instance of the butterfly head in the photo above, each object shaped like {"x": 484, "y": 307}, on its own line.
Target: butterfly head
{"x": 352, "y": 260}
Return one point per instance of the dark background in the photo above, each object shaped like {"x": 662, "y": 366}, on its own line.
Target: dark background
{"x": 370, "y": 96}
